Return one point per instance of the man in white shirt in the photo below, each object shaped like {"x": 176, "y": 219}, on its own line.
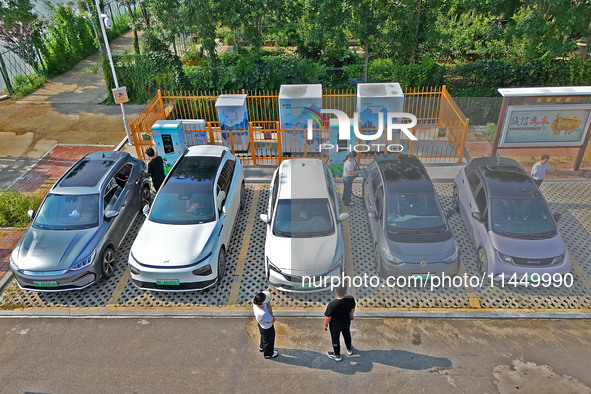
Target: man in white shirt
{"x": 263, "y": 312}
{"x": 539, "y": 169}
{"x": 349, "y": 174}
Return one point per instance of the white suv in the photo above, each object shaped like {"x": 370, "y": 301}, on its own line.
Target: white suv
{"x": 304, "y": 245}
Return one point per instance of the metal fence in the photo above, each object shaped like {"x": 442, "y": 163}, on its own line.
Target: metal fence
{"x": 441, "y": 129}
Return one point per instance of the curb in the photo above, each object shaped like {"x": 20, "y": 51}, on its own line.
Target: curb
{"x": 132, "y": 313}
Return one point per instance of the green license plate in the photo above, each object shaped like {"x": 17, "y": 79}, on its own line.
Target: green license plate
{"x": 423, "y": 277}
{"x": 168, "y": 282}
{"x": 300, "y": 287}
{"x": 45, "y": 284}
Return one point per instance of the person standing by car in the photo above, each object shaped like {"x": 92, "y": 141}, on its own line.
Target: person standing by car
{"x": 337, "y": 317}
{"x": 349, "y": 173}
{"x": 539, "y": 169}
{"x": 155, "y": 168}
{"x": 263, "y": 312}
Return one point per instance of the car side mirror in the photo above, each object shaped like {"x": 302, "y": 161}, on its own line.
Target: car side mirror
{"x": 146, "y": 210}
{"x": 265, "y": 218}
{"x": 111, "y": 214}
{"x": 450, "y": 213}
{"x": 343, "y": 216}
{"x": 477, "y": 216}
{"x": 557, "y": 216}
{"x": 372, "y": 214}
{"x": 220, "y": 199}
{"x": 31, "y": 214}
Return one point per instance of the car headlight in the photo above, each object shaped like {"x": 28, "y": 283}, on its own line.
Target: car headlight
{"x": 13, "y": 264}
{"x": 83, "y": 263}
{"x": 558, "y": 259}
{"x": 273, "y": 266}
{"x": 452, "y": 258}
{"x": 336, "y": 264}
{"x": 389, "y": 258}
{"x": 505, "y": 259}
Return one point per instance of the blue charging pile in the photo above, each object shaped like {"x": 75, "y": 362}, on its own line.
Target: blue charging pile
{"x": 169, "y": 138}
{"x": 233, "y": 117}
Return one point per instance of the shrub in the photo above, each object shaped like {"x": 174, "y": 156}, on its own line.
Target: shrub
{"x": 14, "y": 207}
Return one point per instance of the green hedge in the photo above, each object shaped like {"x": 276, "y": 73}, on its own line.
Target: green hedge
{"x": 14, "y": 207}
{"x": 144, "y": 74}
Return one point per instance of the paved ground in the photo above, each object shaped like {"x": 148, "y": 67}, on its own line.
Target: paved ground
{"x": 220, "y": 355}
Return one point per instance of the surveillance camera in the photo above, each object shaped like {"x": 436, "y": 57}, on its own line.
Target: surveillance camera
{"x": 108, "y": 23}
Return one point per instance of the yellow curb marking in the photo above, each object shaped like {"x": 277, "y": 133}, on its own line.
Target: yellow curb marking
{"x": 580, "y": 273}
{"x": 233, "y": 298}
{"x": 472, "y": 296}
{"x": 119, "y": 288}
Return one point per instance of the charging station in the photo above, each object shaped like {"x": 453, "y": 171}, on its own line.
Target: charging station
{"x": 377, "y": 99}
{"x": 297, "y": 105}
{"x": 195, "y": 131}
{"x": 169, "y": 138}
{"x": 233, "y": 115}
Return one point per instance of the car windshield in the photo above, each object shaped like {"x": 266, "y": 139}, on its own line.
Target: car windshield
{"x": 414, "y": 213}
{"x": 68, "y": 212}
{"x": 184, "y": 201}
{"x": 301, "y": 218}
{"x": 522, "y": 217}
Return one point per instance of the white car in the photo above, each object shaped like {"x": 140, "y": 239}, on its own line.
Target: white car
{"x": 304, "y": 237}
{"x": 182, "y": 244}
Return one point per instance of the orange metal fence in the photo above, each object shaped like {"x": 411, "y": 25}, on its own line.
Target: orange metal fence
{"x": 441, "y": 129}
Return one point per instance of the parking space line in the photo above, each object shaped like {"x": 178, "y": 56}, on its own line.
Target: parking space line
{"x": 472, "y": 296}
{"x": 239, "y": 272}
{"x": 119, "y": 288}
{"x": 580, "y": 273}
{"x": 349, "y": 271}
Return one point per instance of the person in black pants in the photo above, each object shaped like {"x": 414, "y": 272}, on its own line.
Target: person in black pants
{"x": 263, "y": 312}
{"x": 337, "y": 317}
{"x": 155, "y": 168}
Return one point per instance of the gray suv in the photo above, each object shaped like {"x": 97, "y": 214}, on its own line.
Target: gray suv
{"x": 81, "y": 223}
{"x": 410, "y": 231}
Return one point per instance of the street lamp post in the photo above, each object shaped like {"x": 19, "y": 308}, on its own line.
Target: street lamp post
{"x": 102, "y": 18}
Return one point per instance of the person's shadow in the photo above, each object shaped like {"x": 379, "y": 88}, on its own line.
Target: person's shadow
{"x": 362, "y": 360}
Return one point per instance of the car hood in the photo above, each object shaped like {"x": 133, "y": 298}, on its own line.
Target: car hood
{"x": 415, "y": 252}
{"x": 171, "y": 245}
{"x": 528, "y": 248}
{"x": 299, "y": 256}
{"x": 52, "y": 250}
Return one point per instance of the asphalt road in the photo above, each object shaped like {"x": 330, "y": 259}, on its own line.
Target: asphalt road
{"x": 54, "y": 355}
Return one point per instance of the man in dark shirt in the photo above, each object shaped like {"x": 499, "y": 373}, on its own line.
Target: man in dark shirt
{"x": 155, "y": 168}
{"x": 337, "y": 317}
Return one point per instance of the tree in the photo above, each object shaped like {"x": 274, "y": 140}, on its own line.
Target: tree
{"x": 203, "y": 18}
{"x": 17, "y": 28}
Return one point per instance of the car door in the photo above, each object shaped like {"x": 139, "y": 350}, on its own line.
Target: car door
{"x": 467, "y": 194}
{"x": 230, "y": 203}
{"x": 115, "y": 198}
{"x": 480, "y": 228}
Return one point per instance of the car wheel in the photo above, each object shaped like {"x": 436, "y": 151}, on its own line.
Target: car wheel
{"x": 146, "y": 197}
{"x": 456, "y": 200}
{"x": 242, "y": 196}
{"x": 221, "y": 264}
{"x": 108, "y": 262}
{"x": 482, "y": 262}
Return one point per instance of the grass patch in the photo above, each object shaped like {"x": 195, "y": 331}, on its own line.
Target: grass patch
{"x": 491, "y": 129}
{"x": 14, "y": 207}
{"x": 28, "y": 84}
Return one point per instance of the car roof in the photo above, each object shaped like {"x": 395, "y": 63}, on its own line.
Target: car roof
{"x": 302, "y": 178}
{"x": 504, "y": 177}
{"x": 207, "y": 150}
{"x": 404, "y": 174}
{"x": 88, "y": 174}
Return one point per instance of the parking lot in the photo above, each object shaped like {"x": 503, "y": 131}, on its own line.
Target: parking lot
{"x": 245, "y": 272}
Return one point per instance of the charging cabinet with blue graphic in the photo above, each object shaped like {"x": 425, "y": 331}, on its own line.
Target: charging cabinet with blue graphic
{"x": 297, "y": 105}
{"x": 169, "y": 138}
{"x": 233, "y": 115}
{"x": 195, "y": 131}
{"x": 375, "y": 99}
